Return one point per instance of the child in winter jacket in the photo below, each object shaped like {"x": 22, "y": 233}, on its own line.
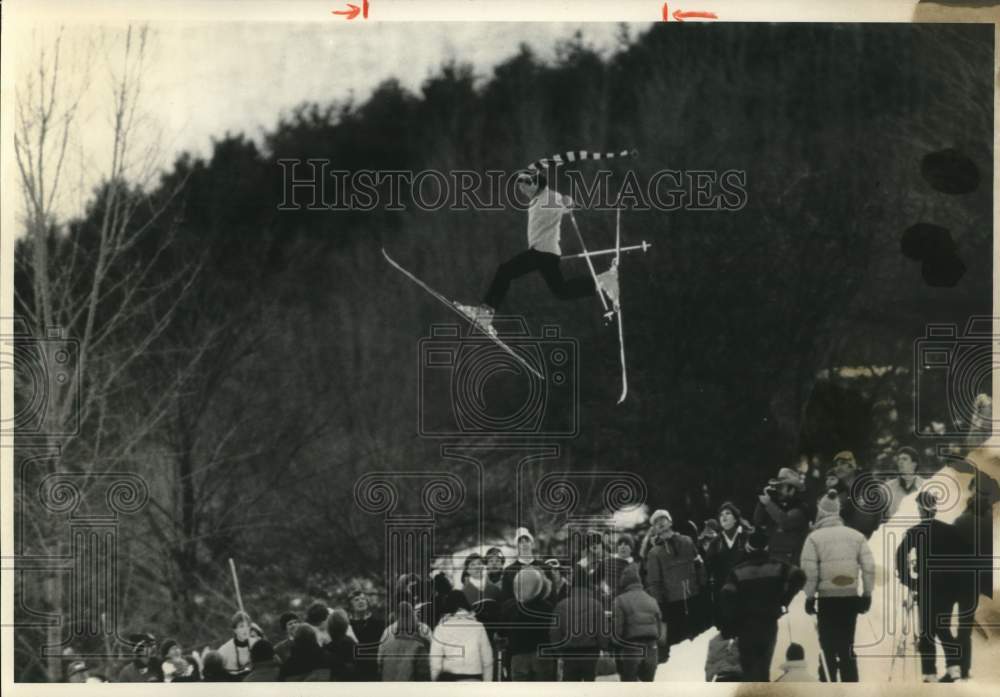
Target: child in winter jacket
{"x": 638, "y": 629}
{"x": 795, "y": 668}
{"x": 723, "y": 662}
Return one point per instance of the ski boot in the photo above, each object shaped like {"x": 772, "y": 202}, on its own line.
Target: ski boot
{"x": 608, "y": 282}
{"x": 482, "y": 315}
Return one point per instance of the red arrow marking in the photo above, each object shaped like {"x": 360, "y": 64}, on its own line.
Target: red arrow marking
{"x": 351, "y": 13}
{"x": 666, "y": 13}
{"x": 681, "y": 16}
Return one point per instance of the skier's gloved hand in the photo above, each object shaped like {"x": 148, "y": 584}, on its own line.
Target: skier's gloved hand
{"x": 810, "y": 606}
{"x": 864, "y": 604}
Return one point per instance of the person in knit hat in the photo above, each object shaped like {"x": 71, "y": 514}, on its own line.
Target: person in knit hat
{"x": 833, "y": 557}
{"x": 755, "y": 595}
{"x": 674, "y": 577}
{"x": 173, "y": 664}
{"x": 638, "y": 630}
{"x": 525, "y": 620}
{"x": 726, "y": 551}
{"x": 795, "y": 668}
{"x": 525, "y": 543}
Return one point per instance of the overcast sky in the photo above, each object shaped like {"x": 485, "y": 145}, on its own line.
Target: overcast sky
{"x": 204, "y": 79}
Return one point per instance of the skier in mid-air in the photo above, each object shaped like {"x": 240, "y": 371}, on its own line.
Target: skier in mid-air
{"x": 546, "y": 209}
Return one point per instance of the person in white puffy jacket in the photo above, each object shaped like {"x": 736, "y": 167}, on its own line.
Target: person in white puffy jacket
{"x": 832, "y": 557}
{"x": 460, "y": 649}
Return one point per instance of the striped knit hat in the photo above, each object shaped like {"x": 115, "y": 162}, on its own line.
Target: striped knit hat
{"x": 576, "y": 156}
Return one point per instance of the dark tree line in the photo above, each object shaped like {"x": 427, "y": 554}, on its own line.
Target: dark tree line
{"x": 289, "y": 362}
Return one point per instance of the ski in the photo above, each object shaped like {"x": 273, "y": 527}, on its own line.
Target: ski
{"x": 618, "y": 306}
{"x": 451, "y": 305}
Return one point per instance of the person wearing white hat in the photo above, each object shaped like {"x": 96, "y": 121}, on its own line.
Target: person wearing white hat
{"x": 674, "y": 576}
{"x": 524, "y": 542}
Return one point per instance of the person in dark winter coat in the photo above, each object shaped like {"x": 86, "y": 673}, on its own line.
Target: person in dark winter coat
{"x": 495, "y": 562}
{"x": 929, "y": 549}
{"x": 726, "y": 551}
{"x": 723, "y": 661}
{"x": 368, "y": 629}
{"x": 482, "y": 595}
{"x": 858, "y": 495}
{"x": 266, "y": 664}
{"x": 611, "y": 569}
{"x": 526, "y": 619}
{"x": 138, "y": 669}
{"x": 431, "y": 613}
{"x": 341, "y": 649}
{"x": 905, "y": 483}
{"x": 525, "y": 543}
{"x": 404, "y": 656}
{"x": 833, "y": 557}
{"x": 308, "y": 662}
{"x": 316, "y": 617}
{"x": 213, "y": 668}
{"x": 638, "y": 629}
{"x": 974, "y": 537}
{"x": 288, "y": 622}
{"x": 753, "y": 599}
{"x": 783, "y": 515}
{"x": 674, "y": 577}
{"x": 580, "y": 632}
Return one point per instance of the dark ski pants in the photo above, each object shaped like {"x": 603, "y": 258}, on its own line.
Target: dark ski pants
{"x": 837, "y": 619}
{"x": 581, "y": 667}
{"x": 637, "y": 663}
{"x": 675, "y": 616}
{"x": 936, "y": 610}
{"x": 545, "y": 263}
{"x": 529, "y": 667}
{"x": 968, "y": 600}
{"x": 756, "y": 642}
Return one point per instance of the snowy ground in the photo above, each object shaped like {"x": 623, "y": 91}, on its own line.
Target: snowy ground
{"x": 878, "y": 632}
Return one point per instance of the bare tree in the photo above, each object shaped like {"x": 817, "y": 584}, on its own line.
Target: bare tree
{"x": 91, "y": 286}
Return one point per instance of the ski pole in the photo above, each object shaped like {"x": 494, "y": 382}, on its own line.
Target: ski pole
{"x": 822, "y": 656}
{"x": 602, "y": 252}
{"x": 590, "y": 264}
{"x": 236, "y": 585}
